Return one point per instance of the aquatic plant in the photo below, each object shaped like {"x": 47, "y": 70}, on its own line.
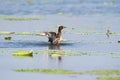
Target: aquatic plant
{"x": 6, "y": 32}
{"x": 105, "y": 72}
{"x": 20, "y": 18}
{"x": 8, "y": 38}
{"x": 108, "y": 78}
{"x": 56, "y": 55}
{"x": 22, "y": 53}
{"x": 48, "y": 71}
{"x": 118, "y": 41}
{"x": 114, "y": 52}
{"x": 56, "y": 71}
{"x": 24, "y": 33}
{"x": 115, "y": 56}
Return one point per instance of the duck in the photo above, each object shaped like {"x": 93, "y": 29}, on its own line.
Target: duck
{"x": 53, "y": 37}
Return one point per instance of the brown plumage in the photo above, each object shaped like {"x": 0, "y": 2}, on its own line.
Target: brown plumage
{"x": 53, "y": 37}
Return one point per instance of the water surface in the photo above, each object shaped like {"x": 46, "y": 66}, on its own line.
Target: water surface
{"x": 87, "y": 23}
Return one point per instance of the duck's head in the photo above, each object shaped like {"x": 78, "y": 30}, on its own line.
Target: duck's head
{"x": 61, "y": 27}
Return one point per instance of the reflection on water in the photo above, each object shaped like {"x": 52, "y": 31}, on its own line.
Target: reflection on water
{"x": 54, "y": 54}
{"x": 54, "y": 47}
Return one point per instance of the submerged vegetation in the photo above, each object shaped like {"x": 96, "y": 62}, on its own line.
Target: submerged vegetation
{"x": 24, "y": 33}
{"x": 20, "y": 18}
{"x": 16, "y": 18}
{"x": 108, "y": 78}
{"x": 48, "y": 71}
{"x": 56, "y": 71}
{"x": 6, "y": 32}
{"x": 102, "y": 74}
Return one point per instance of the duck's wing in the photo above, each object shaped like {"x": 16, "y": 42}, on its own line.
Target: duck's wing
{"x": 41, "y": 34}
{"x": 51, "y": 36}
{"x": 48, "y": 34}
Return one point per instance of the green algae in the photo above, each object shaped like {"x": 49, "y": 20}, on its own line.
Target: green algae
{"x": 20, "y": 18}
{"x": 54, "y": 54}
{"x": 24, "y": 33}
{"x": 105, "y": 72}
{"x": 48, "y": 71}
{"x": 57, "y": 71}
{"x": 115, "y": 56}
{"x": 108, "y": 78}
{"x": 6, "y": 32}
{"x": 114, "y": 53}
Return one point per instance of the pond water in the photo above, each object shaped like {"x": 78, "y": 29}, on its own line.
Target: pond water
{"x": 86, "y": 44}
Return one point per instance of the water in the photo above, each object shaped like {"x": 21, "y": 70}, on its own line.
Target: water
{"x": 74, "y": 7}
{"x": 87, "y": 22}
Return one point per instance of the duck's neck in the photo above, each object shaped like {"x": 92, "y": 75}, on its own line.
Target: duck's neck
{"x": 59, "y": 33}
{"x": 59, "y": 30}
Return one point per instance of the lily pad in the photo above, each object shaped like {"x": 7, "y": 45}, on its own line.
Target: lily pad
{"x": 118, "y": 41}
{"x": 22, "y": 53}
{"x": 8, "y": 38}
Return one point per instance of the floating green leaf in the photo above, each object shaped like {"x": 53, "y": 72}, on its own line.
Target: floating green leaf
{"x": 22, "y": 53}
{"x": 8, "y": 38}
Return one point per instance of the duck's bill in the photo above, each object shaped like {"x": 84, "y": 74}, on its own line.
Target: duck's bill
{"x": 64, "y": 27}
